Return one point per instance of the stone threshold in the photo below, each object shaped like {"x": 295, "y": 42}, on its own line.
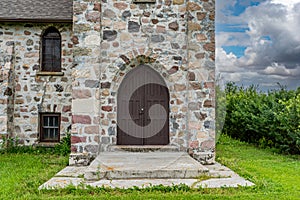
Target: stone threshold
{"x": 143, "y": 165}
{"x": 144, "y": 148}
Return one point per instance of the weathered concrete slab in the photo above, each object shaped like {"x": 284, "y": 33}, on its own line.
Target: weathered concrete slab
{"x": 218, "y": 170}
{"x": 128, "y": 165}
{"x": 72, "y": 171}
{"x": 61, "y": 182}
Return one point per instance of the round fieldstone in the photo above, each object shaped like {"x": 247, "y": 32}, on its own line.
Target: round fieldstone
{"x": 126, "y": 14}
{"x": 109, "y": 35}
{"x": 108, "y": 13}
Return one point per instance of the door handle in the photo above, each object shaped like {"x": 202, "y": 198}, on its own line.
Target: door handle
{"x": 141, "y": 111}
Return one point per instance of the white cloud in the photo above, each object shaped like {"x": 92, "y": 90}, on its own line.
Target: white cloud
{"x": 281, "y": 70}
{"x": 273, "y": 44}
{"x": 226, "y": 62}
{"x": 289, "y": 3}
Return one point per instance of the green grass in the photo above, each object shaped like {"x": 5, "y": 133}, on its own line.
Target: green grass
{"x": 276, "y": 177}
{"x": 21, "y": 174}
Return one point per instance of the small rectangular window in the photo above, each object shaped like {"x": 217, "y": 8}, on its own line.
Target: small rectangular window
{"x": 49, "y": 127}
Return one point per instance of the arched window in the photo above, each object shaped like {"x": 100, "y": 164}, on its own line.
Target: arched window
{"x": 51, "y": 50}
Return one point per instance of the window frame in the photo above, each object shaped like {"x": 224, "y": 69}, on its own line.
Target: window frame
{"x": 44, "y": 38}
{"x": 42, "y": 126}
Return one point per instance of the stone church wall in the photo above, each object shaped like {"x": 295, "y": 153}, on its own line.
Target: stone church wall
{"x": 176, "y": 38}
{"x": 24, "y": 93}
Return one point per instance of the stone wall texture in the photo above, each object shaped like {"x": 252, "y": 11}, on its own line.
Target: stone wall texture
{"x": 85, "y": 76}
{"x": 176, "y": 38}
{"x": 106, "y": 40}
{"x": 24, "y": 93}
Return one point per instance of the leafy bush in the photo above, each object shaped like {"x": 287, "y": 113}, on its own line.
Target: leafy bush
{"x": 267, "y": 119}
{"x": 64, "y": 147}
{"x": 10, "y": 145}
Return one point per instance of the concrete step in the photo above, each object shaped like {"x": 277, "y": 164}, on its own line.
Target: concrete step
{"x": 144, "y": 148}
{"x": 144, "y": 165}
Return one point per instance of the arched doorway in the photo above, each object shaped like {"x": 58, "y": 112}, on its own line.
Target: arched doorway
{"x": 143, "y": 108}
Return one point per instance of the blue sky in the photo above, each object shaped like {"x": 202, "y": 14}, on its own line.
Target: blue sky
{"x": 258, "y": 42}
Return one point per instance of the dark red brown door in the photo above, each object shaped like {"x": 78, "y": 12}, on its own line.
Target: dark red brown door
{"x": 143, "y": 109}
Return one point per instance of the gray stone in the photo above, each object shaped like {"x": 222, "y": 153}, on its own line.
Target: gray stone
{"x": 175, "y": 45}
{"x": 175, "y": 125}
{"x": 157, "y": 38}
{"x": 208, "y": 124}
{"x": 10, "y": 43}
{"x": 133, "y": 27}
{"x": 91, "y": 83}
{"x": 92, "y": 149}
{"x": 109, "y": 35}
{"x": 105, "y": 140}
{"x": 111, "y": 131}
{"x": 126, "y": 14}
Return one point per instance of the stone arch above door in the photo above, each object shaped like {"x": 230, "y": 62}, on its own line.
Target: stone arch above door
{"x": 112, "y": 75}
{"x": 143, "y": 108}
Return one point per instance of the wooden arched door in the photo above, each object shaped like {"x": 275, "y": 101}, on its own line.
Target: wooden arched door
{"x": 143, "y": 108}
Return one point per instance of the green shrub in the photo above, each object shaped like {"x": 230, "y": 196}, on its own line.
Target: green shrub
{"x": 64, "y": 147}
{"x": 11, "y": 145}
{"x": 267, "y": 119}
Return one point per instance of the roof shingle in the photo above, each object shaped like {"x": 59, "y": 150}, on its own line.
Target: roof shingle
{"x": 36, "y": 10}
